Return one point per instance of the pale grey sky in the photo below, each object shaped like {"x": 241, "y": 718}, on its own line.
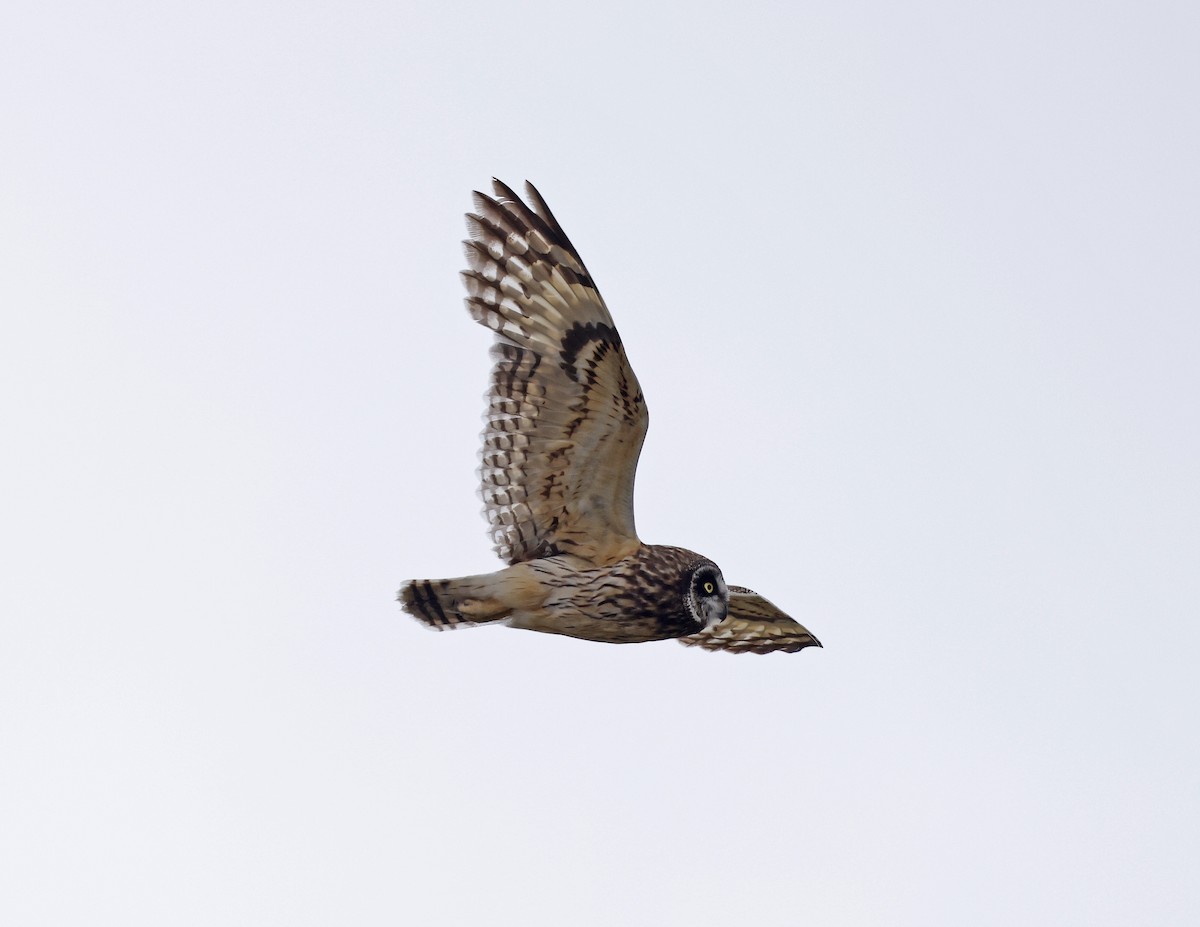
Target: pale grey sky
{"x": 913, "y": 293}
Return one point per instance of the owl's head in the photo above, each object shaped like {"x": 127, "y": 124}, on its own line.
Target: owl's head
{"x": 707, "y": 597}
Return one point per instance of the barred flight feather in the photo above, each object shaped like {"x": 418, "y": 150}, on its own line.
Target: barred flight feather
{"x": 551, "y": 428}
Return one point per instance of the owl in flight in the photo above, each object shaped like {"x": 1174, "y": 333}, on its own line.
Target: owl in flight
{"x": 565, "y": 424}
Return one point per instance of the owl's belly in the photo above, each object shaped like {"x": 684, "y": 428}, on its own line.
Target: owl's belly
{"x": 609, "y": 629}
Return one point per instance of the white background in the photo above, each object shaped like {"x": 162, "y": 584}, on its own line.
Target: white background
{"x": 913, "y": 293}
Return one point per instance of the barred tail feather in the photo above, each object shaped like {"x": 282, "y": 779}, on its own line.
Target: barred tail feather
{"x": 450, "y": 603}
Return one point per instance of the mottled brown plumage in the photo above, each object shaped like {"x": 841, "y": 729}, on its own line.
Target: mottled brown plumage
{"x": 566, "y": 420}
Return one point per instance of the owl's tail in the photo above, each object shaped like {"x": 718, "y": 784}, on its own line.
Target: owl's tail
{"x": 453, "y": 603}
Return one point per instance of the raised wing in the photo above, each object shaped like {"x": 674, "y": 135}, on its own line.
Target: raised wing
{"x": 753, "y": 625}
{"x": 566, "y": 417}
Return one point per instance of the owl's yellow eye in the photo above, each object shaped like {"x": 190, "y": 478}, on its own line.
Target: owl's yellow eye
{"x": 708, "y": 588}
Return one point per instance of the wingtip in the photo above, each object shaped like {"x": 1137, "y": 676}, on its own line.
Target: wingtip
{"x": 503, "y": 191}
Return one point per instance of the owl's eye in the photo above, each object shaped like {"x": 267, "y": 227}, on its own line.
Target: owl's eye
{"x": 708, "y": 588}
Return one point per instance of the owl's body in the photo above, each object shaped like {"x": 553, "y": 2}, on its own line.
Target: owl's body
{"x": 565, "y": 424}
{"x": 641, "y": 597}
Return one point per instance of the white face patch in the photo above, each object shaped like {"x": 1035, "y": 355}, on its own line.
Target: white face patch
{"x": 713, "y": 613}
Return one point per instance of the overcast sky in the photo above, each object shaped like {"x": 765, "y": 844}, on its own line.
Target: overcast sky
{"x": 913, "y": 291}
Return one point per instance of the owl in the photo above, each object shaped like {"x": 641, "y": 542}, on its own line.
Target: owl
{"x": 564, "y": 427}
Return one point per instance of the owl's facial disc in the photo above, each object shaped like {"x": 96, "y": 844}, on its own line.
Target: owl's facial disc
{"x": 708, "y": 598}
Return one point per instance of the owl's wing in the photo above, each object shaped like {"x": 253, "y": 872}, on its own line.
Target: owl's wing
{"x": 753, "y": 625}
{"x": 566, "y": 417}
